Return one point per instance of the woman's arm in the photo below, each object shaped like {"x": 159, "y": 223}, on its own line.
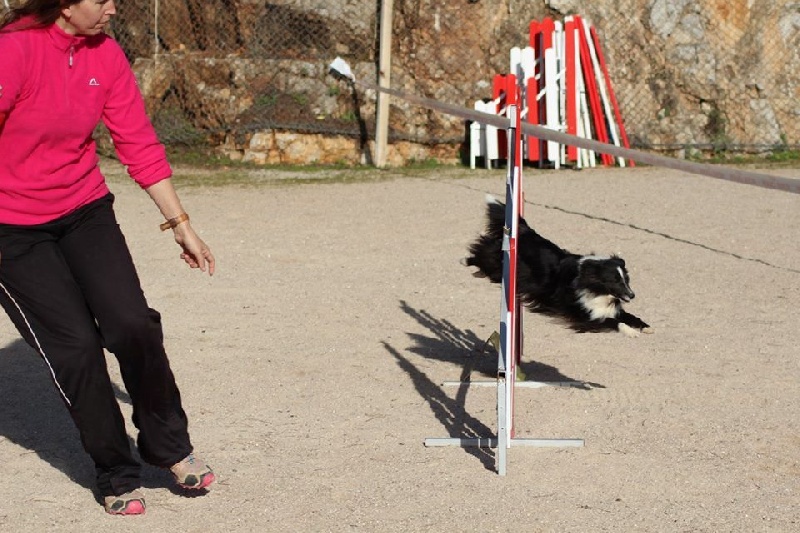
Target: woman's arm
{"x": 139, "y": 149}
{"x": 195, "y": 252}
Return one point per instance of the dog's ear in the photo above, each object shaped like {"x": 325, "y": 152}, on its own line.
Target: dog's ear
{"x": 586, "y": 270}
{"x": 620, "y": 261}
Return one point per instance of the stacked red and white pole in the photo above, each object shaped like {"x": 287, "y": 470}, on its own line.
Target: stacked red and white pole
{"x": 565, "y": 85}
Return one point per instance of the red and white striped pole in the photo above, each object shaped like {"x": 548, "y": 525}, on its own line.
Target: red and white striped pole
{"x": 610, "y": 90}
{"x": 510, "y": 316}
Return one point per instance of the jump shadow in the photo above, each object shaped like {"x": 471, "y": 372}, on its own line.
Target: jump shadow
{"x": 450, "y": 412}
{"x": 34, "y": 417}
{"x": 465, "y": 349}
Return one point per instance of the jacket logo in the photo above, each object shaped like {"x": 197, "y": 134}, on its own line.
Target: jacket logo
{"x": 94, "y": 83}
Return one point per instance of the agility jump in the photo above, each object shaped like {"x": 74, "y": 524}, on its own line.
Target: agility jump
{"x": 510, "y": 345}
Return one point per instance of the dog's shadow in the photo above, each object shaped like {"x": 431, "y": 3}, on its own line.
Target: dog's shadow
{"x": 33, "y": 417}
{"x": 462, "y": 348}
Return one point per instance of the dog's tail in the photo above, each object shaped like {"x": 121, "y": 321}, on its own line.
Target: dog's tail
{"x": 486, "y": 253}
{"x": 495, "y": 217}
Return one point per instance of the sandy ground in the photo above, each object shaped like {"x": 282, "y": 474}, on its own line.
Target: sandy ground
{"x": 312, "y": 364}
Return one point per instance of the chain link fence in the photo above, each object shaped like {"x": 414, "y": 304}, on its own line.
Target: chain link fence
{"x": 705, "y": 75}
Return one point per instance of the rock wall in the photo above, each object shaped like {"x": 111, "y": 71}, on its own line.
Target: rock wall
{"x": 688, "y": 73}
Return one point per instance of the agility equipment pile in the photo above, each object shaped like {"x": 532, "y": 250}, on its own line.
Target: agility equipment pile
{"x": 564, "y": 86}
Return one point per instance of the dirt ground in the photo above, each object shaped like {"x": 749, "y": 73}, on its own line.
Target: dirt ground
{"x": 312, "y": 365}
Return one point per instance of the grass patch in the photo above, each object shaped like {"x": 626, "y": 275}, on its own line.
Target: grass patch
{"x": 199, "y": 170}
{"x": 275, "y": 176}
{"x": 778, "y": 158}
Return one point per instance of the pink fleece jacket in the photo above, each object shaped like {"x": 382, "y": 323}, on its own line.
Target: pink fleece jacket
{"x": 56, "y": 88}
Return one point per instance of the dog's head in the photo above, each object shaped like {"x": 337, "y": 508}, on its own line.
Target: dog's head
{"x": 605, "y": 276}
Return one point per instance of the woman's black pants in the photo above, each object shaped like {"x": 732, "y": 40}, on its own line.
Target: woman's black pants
{"x": 71, "y": 289}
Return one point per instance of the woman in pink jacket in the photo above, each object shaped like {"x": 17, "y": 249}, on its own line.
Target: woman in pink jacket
{"x": 67, "y": 280}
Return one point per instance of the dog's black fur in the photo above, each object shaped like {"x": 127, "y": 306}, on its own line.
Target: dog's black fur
{"x": 584, "y": 291}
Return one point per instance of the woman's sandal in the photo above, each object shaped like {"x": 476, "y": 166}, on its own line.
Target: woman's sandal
{"x": 130, "y": 503}
{"x": 192, "y": 473}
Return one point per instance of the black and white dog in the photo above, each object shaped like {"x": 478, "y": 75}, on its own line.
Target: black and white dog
{"x": 584, "y": 291}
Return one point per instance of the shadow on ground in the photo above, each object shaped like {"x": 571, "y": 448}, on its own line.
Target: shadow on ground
{"x": 463, "y": 348}
{"x": 472, "y": 354}
{"x": 33, "y": 417}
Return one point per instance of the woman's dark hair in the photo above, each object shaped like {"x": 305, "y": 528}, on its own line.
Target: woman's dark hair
{"x": 43, "y": 12}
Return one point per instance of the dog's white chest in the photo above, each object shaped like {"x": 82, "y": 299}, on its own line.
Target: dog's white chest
{"x": 600, "y": 306}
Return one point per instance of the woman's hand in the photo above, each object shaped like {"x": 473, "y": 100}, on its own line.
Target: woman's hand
{"x": 196, "y": 253}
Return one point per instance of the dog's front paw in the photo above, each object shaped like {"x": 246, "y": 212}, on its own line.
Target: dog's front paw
{"x": 628, "y": 331}
{"x": 648, "y": 330}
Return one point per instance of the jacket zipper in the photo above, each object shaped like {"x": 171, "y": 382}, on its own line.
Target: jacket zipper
{"x": 68, "y": 99}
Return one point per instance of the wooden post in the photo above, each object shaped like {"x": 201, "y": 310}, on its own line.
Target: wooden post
{"x": 384, "y": 80}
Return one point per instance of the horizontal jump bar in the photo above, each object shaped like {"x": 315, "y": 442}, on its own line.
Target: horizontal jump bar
{"x": 713, "y": 171}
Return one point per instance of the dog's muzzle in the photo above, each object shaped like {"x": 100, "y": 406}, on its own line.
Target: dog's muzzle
{"x": 628, "y": 296}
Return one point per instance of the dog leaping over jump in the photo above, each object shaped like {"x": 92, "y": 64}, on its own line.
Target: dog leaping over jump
{"x": 585, "y": 292}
